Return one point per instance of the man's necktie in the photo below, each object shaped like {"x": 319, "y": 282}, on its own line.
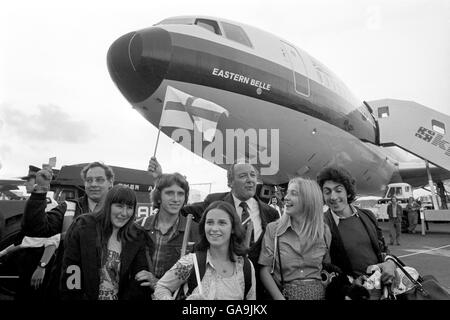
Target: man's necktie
{"x": 245, "y": 215}
{"x": 248, "y": 226}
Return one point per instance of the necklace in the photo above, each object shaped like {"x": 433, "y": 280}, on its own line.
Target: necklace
{"x": 224, "y": 268}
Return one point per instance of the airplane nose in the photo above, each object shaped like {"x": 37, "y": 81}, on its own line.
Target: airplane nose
{"x": 138, "y": 61}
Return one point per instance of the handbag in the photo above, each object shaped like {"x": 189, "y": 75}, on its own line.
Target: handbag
{"x": 425, "y": 288}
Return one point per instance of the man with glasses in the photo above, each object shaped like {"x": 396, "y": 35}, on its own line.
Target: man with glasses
{"x": 98, "y": 179}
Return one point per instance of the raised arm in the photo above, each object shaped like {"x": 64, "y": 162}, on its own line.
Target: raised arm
{"x": 36, "y": 222}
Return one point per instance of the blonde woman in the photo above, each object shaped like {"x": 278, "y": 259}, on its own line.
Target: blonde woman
{"x": 295, "y": 246}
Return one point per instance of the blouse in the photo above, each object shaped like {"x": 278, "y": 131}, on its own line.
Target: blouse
{"x": 214, "y": 285}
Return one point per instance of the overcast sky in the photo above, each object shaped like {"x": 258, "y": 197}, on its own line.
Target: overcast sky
{"x": 57, "y": 98}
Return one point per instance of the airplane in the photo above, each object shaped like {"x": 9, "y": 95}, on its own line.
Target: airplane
{"x": 266, "y": 82}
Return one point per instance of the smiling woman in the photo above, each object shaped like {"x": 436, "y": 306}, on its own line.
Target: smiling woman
{"x": 104, "y": 252}
{"x": 222, "y": 269}
{"x": 296, "y": 246}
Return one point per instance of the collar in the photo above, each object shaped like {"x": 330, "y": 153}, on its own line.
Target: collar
{"x": 250, "y": 202}
{"x": 337, "y": 218}
{"x": 209, "y": 258}
{"x": 91, "y": 204}
{"x": 283, "y": 224}
{"x": 177, "y": 224}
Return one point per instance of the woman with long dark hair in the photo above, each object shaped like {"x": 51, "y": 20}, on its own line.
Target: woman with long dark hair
{"x": 105, "y": 252}
{"x": 224, "y": 270}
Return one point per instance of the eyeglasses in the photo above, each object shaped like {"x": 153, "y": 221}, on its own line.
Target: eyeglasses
{"x": 98, "y": 180}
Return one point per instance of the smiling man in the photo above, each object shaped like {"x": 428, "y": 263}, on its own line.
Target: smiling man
{"x": 166, "y": 228}
{"x": 98, "y": 179}
{"x": 357, "y": 240}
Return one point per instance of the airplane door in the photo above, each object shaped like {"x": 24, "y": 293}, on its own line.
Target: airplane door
{"x": 301, "y": 80}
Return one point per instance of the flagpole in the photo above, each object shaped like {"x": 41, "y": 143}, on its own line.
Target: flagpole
{"x": 157, "y": 140}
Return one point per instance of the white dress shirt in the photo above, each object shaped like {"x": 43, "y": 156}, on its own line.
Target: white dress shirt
{"x": 253, "y": 210}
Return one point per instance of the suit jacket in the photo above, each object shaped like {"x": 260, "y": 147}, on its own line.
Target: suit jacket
{"x": 83, "y": 249}
{"x": 267, "y": 214}
{"x": 399, "y": 211}
{"x": 338, "y": 253}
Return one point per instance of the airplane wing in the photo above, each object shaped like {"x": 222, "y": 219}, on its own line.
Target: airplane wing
{"x": 415, "y": 173}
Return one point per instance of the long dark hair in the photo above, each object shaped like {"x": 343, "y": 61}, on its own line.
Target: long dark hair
{"x": 237, "y": 245}
{"x": 122, "y": 195}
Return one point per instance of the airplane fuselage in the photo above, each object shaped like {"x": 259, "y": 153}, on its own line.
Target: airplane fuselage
{"x": 264, "y": 82}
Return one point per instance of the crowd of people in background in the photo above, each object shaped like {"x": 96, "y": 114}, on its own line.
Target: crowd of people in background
{"x": 231, "y": 246}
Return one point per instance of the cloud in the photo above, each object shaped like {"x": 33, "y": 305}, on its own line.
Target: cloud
{"x": 4, "y": 150}
{"x": 50, "y": 124}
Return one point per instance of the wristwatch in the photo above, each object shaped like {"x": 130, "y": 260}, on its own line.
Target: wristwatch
{"x": 42, "y": 264}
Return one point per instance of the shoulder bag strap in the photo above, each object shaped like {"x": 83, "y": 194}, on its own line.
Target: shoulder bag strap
{"x": 247, "y": 277}
{"x": 279, "y": 260}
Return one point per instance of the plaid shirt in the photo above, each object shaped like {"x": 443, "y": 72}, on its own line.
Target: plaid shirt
{"x": 159, "y": 257}
{"x": 165, "y": 249}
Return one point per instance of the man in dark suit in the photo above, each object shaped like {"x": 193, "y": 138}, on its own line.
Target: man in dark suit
{"x": 254, "y": 214}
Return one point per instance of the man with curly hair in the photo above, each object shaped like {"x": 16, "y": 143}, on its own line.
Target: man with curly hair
{"x": 357, "y": 240}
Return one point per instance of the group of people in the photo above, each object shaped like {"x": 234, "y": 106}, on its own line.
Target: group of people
{"x": 232, "y": 245}
{"x": 395, "y": 214}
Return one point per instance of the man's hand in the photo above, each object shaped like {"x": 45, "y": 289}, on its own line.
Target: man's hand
{"x": 147, "y": 278}
{"x": 37, "y": 278}
{"x": 154, "y": 168}
{"x": 387, "y": 271}
{"x": 43, "y": 178}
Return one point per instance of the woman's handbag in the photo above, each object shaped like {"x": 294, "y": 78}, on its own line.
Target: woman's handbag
{"x": 425, "y": 288}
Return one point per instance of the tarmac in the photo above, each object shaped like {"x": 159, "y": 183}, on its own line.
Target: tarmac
{"x": 428, "y": 254}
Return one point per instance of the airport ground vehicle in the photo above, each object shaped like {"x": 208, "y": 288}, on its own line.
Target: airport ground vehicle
{"x": 371, "y": 203}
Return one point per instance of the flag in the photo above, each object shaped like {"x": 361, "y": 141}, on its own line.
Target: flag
{"x": 174, "y": 113}
{"x": 52, "y": 162}
{"x": 183, "y": 111}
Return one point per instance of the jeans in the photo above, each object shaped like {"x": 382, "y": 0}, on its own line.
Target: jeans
{"x": 395, "y": 229}
{"x": 412, "y": 221}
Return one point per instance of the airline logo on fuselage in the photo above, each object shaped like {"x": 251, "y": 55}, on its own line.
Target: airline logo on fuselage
{"x": 435, "y": 138}
{"x": 233, "y": 76}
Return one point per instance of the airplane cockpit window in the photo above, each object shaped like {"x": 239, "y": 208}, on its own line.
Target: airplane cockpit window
{"x": 210, "y": 25}
{"x": 175, "y": 21}
{"x": 236, "y": 33}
